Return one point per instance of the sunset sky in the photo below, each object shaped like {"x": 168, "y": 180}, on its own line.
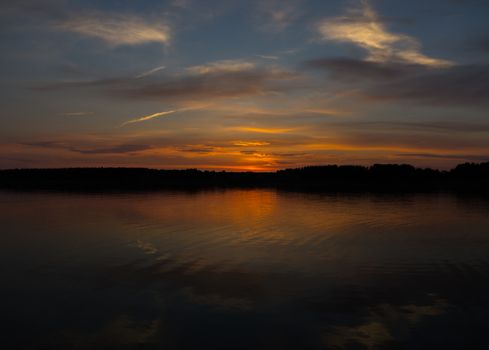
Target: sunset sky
{"x": 243, "y": 85}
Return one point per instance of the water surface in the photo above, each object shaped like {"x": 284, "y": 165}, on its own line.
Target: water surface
{"x": 244, "y": 269}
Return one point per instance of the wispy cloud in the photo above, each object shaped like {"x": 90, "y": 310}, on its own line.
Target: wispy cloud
{"x": 262, "y": 130}
{"x": 208, "y": 87}
{"x": 120, "y": 149}
{"x": 76, "y": 114}
{"x": 147, "y": 117}
{"x": 90, "y": 150}
{"x": 463, "y": 85}
{"x": 206, "y": 84}
{"x": 459, "y": 85}
{"x": 181, "y": 3}
{"x": 326, "y": 111}
{"x": 268, "y": 57}
{"x": 250, "y": 143}
{"x": 363, "y": 27}
{"x": 190, "y": 107}
{"x": 118, "y": 29}
{"x": 224, "y": 66}
{"x": 278, "y": 14}
{"x": 462, "y": 157}
{"x": 150, "y": 72}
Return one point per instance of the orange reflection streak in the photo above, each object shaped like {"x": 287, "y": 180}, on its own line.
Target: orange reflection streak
{"x": 254, "y": 213}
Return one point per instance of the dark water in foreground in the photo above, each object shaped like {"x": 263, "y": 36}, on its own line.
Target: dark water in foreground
{"x": 251, "y": 269}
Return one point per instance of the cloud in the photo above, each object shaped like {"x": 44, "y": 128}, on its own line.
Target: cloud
{"x": 120, "y": 149}
{"x": 209, "y": 86}
{"x": 199, "y": 149}
{"x": 223, "y": 66}
{"x": 350, "y": 69}
{"x": 201, "y": 83}
{"x": 461, "y": 85}
{"x": 465, "y": 85}
{"x": 481, "y": 44}
{"x": 464, "y": 157}
{"x": 150, "y": 72}
{"x": 325, "y": 111}
{"x": 34, "y": 9}
{"x": 116, "y": 30}
{"x": 117, "y": 149}
{"x": 76, "y": 114}
{"x": 45, "y": 144}
{"x": 268, "y": 57}
{"x": 429, "y": 126}
{"x": 147, "y": 117}
{"x": 401, "y": 140}
{"x": 181, "y": 3}
{"x": 364, "y": 28}
{"x": 250, "y": 143}
{"x": 262, "y": 130}
{"x": 278, "y": 15}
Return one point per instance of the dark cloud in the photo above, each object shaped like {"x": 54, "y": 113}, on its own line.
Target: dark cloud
{"x": 95, "y": 83}
{"x": 466, "y": 85}
{"x": 34, "y": 13}
{"x": 44, "y": 144}
{"x": 232, "y": 84}
{"x": 202, "y": 150}
{"x": 121, "y": 149}
{"x": 404, "y": 139}
{"x": 479, "y": 44}
{"x": 20, "y": 160}
{"x": 45, "y": 8}
{"x": 350, "y": 69}
{"x": 189, "y": 86}
{"x": 290, "y": 155}
{"x": 466, "y": 157}
{"x": 468, "y": 2}
{"x": 118, "y": 149}
{"x": 440, "y": 126}
{"x": 355, "y": 70}
{"x": 460, "y": 85}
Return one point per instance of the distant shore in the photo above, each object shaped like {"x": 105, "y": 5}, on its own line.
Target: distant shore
{"x": 467, "y": 177}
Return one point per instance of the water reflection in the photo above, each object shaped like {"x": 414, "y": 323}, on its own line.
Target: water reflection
{"x": 244, "y": 269}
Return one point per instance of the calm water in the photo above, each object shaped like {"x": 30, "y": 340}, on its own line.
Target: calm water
{"x": 251, "y": 269}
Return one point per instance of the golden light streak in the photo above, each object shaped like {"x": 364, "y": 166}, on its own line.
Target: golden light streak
{"x": 250, "y": 143}
{"x": 147, "y": 117}
{"x": 263, "y": 130}
{"x": 76, "y": 114}
{"x": 150, "y": 72}
{"x": 325, "y": 111}
{"x": 222, "y": 66}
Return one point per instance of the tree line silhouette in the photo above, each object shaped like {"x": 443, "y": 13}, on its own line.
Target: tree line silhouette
{"x": 378, "y": 177}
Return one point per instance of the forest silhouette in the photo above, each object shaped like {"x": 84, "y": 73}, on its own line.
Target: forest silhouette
{"x": 473, "y": 177}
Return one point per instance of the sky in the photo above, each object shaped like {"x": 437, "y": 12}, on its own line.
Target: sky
{"x": 255, "y": 85}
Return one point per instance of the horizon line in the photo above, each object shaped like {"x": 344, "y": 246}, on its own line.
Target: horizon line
{"x": 247, "y": 171}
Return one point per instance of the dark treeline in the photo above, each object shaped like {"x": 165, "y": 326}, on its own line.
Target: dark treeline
{"x": 473, "y": 177}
